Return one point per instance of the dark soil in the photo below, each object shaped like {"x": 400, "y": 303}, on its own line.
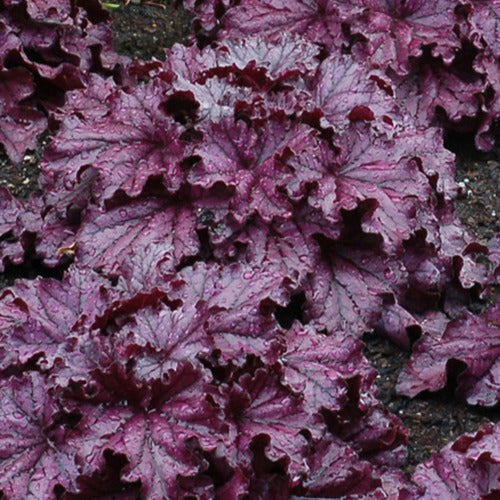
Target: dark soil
{"x": 433, "y": 419}
{"x": 143, "y": 31}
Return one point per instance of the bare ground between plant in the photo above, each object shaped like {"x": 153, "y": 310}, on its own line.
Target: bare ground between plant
{"x": 143, "y": 31}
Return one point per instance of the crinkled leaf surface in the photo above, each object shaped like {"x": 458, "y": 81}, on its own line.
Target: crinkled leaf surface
{"x": 316, "y": 20}
{"x": 240, "y": 323}
{"x": 494, "y": 253}
{"x": 287, "y": 246}
{"x": 11, "y": 249}
{"x": 10, "y": 208}
{"x": 253, "y": 161}
{"x": 20, "y": 124}
{"x": 344, "y": 90}
{"x": 475, "y": 343}
{"x": 155, "y": 441}
{"x": 421, "y": 93}
{"x": 286, "y": 58}
{"x": 469, "y": 467}
{"x": 35, "y": 454}
{"x": 211, "y": 308}
{"x": 289, "y": 56}
{"x": 50, "y": 11}
{"x": 336, "y": 471}
{"x": 397, "y": 30}
{"x": 344, "y": 293}
{"x": 318, "y": 366}
{"x": 332, "y": 374}
{"x": 107, "y": 238}
{"x": 259, "y": 405}
{"x": 488, "y": 129}
{"x": 484, "y": 24}
{"x": 382, "y": 171}
{"x": 133, "y": 141}
{"x": 240, "y": 185}
{"x": 231, "y": 287}
{"x": 46, "y": 43}
{"x": 167, "y": 338}
{"x": 39, "y": 317}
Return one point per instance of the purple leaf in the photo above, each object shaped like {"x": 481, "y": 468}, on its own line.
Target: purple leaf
{"x": 484, "y": 25}
{"x": 131, "y": 143}
{"x": 395, "y": 322}
{"x": 336, "y": 471}
{"x": 215, "y": 308}
{"x": 421, "y": 93}
{"x": 36, "y": 456}
{"x": 241, "y": 299}
{"x": 457, "y": 243}
{"x": 494, "y": 254}
{"x": 283, "y": 60}
{"x": 159, "y": 338}
{"x": 237, "y": 288}
{"x": 344, "y": 294}
{"x": 486, "y": 134}
{"x": 467, "y": 468}
{"x": 318, "y": 366}
{"x": 470, "y": 344}
{"x": 345, "y": 89}
{"x": 50, "y": 11}
{"x": 20, "y": 124}
{"x": 107, "y": 239}
{"x": 10, "y": 210}
{"x": 155, "y": 441}
{"x": 259, "y": 405}
{"x": 316, "y": 20}
{"x": 379, "y": 170}
{"x": 396, "y": 30}
{"x": 285, "y": 246}
{"x": 50, "y": 46}
{"x": 39, "y": 317}
{"x": 253, "y": 161}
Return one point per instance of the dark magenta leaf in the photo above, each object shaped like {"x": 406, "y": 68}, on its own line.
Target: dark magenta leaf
{"x": 318, "y": 366}
{"x": 279, "y": 61}
{"x": 379, "y": 169}
{"x": 344, "y": 293}
{"x": 38, "y": 318}
{"x": 36, "y": 456}
{"x": 473, "y": 342}
{"x": 336, "y": 471}
{"x": 155, "y": 441}
{"x": 287, "y": 246}
{"x": 48, "y": 48}
{"x": 159, "y": 338}
{"x": 484, "y": 25}
{"x": 468, "y": 467}
{"x": 132, "y": 142}
{"x": 252, "y": 161}
{"x": 10, "y": 209}
{"x": 422, "y": 93}
{"x": 398, "y": 30}
{"x": 106, "y": 239}
{"x": 20, "y": 125}
{"x": 346, "y": 90}
{"x": 316, "y": 20}
{"x": 261, "y": 406}
{"x": 231, "y": 228}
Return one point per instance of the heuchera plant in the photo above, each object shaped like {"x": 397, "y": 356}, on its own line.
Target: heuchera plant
{"x": 48, "y": 48}
{"x": 230, "y": 222}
